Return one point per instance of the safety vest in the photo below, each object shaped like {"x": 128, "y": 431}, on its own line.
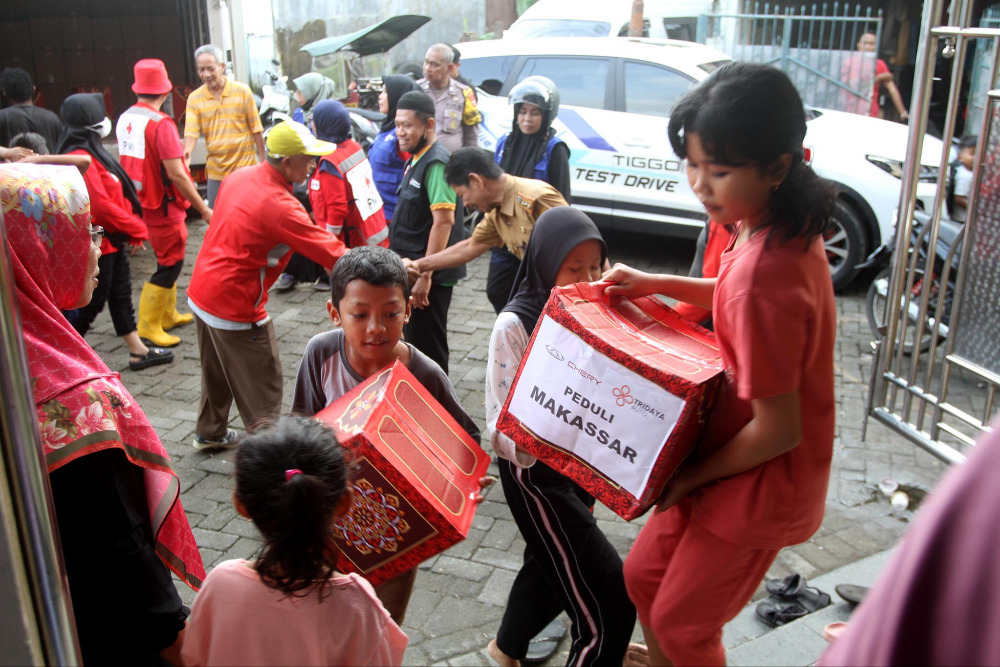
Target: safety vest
{"x": 412, "y": 222}
{"x": 139, "y": 155}
{"x": 387, "y": 167}
{"x": 365, "y": 222}
{"x": 542, "y": 167}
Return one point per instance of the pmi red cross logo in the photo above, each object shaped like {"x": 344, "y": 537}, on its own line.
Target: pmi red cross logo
{"x": 623, "y": 395}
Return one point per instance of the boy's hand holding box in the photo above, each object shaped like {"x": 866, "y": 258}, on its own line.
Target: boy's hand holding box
{"x": 415, "y": 480}
{"x": 612, "y": 396}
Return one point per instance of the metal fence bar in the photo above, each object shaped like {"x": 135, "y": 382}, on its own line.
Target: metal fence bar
{"x": 912, "y": 391}
{"x": 993, "y": 98}
{"x": 883, "y": 392}
{"x": 817, "y": 43}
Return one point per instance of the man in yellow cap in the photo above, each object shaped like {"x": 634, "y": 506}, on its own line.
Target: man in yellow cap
{"x": 256, "y": 224}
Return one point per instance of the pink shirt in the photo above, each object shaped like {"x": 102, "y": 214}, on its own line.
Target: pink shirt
{"x": 238, "y": 620}
{"x": 776, "y": 319}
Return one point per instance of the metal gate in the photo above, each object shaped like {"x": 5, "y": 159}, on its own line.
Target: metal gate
{"x": 984, "y": 50}
{"x": 937, "y": 364}
{"x": 818, "y": 50}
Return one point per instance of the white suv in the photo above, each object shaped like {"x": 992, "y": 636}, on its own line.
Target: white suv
{"x": 616, "y": 96}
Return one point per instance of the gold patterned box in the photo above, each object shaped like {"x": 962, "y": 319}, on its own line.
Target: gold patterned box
{"x": 415, "y": 479}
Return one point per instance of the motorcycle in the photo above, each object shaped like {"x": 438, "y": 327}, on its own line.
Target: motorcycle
{"x": 276, "y": 99}
{"x": 918, "y": 332}
{"x": 365, "y": 125}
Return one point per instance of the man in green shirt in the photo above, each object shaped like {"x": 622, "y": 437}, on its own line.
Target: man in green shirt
{"x": 424, "y": 224}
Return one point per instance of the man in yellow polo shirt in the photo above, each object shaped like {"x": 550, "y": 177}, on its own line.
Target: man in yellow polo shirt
{"x": 224, "y": 111}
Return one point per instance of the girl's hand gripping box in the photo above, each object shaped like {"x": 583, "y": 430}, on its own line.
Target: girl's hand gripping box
{"x": 612, "y": 396}
{"x": 415, "y": 475}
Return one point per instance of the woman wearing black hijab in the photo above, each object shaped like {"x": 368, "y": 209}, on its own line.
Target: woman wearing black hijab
{"x": 529, "y": 150}
{"x": 114, "y": 206}
{"x": 384, "y": 155}
{"x": 569, "y": 564}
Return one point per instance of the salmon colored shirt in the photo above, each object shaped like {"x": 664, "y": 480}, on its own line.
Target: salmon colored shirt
{"x": 238, "y": 620}
{"x": 776, "y": 319}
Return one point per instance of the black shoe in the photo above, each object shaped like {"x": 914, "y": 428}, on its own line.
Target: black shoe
{"x": 284, "y": 283}
{"x": 155, "y": 357}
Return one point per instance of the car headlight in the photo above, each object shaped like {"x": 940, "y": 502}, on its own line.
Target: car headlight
{"x": 894, "y": 168}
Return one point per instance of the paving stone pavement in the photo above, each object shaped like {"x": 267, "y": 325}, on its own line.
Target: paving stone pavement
{"x": 460, "y": 594}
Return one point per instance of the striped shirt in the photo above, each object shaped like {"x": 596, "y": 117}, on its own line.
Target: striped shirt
{"x": 228, "y": 124}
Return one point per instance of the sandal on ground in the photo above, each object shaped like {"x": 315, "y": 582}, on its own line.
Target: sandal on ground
{"x": 154, "y": 357}
{"x": 793, "y": 588}
{"x": 636, "y": 655}
{"x": 851, "y": 593}
{"x": 544, "y": 645}
{"x": 773, "y": 612}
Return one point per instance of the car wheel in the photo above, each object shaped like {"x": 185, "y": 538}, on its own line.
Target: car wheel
{"x": 846, "y": 244}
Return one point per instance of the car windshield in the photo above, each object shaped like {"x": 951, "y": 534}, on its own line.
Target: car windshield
{"x": 558, "y": 28}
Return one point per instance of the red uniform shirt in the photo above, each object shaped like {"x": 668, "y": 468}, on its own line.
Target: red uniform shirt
{"x": 776, "y": 320}
{"x": 344, "y": 197}
{"x": 108, "y": 206}
{"x": 147, "y": 137}
{"x": 256, "y": 225}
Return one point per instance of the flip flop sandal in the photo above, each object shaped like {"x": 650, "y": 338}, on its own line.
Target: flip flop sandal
{"x": 545, "y": 643}
{"x": 773, "y": 612}
{"x": 793, "y": 588}
{"x": 851, "y": 593}
{"x": 154, "y": 357}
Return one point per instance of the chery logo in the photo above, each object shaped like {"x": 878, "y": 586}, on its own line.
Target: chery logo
{"x": 555, "y": 353}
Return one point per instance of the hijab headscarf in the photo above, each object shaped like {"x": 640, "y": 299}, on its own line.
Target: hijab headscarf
{"x": 395, "y": 86}
{"x": 556, "y": 233}
{"x": 332, "y": 121}
{"x": 315, "y": 88}
{"x": 81, "y": 405}
{"x": 523, "y": 151}
{"x": 82, "y": 114}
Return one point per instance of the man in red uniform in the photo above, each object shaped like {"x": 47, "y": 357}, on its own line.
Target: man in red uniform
{"x": 150, "y": 150}
{"x": 257, "y": 225}
{"x": 342, "y": 195}
{"x": 342, "y": 190}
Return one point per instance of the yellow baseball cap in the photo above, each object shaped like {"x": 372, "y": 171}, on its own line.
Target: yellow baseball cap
{"x": 291, "y": 138}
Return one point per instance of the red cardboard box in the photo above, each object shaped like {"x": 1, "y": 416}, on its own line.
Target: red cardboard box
{"x": 613, "y": 397}
{"x": 416, "y": 475}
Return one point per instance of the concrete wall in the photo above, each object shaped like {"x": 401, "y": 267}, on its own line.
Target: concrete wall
{"x": 298, "y": 22}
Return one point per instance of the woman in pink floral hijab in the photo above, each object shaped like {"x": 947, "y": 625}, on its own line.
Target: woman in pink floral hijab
{"x": 116, "y": 495}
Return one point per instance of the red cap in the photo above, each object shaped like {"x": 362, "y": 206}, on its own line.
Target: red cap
{"x": 151, "y": 78}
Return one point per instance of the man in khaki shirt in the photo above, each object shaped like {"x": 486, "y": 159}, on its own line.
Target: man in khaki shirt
{"x": 511, "y": 205}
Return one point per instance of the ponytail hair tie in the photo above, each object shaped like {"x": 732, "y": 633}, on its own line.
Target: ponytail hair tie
{"x": 291, "y": 472}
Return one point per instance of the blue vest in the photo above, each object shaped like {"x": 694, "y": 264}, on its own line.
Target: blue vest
{"x": 387, "y": 169}
{"x": 542, "y": 168}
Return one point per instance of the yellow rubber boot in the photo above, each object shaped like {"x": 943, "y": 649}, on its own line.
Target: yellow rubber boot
{"x": 152, "y": 304}
{"x": 171, "y": 317}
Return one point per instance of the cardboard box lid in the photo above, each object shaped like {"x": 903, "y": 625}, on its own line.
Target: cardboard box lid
{"x": 648, "y": 332}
